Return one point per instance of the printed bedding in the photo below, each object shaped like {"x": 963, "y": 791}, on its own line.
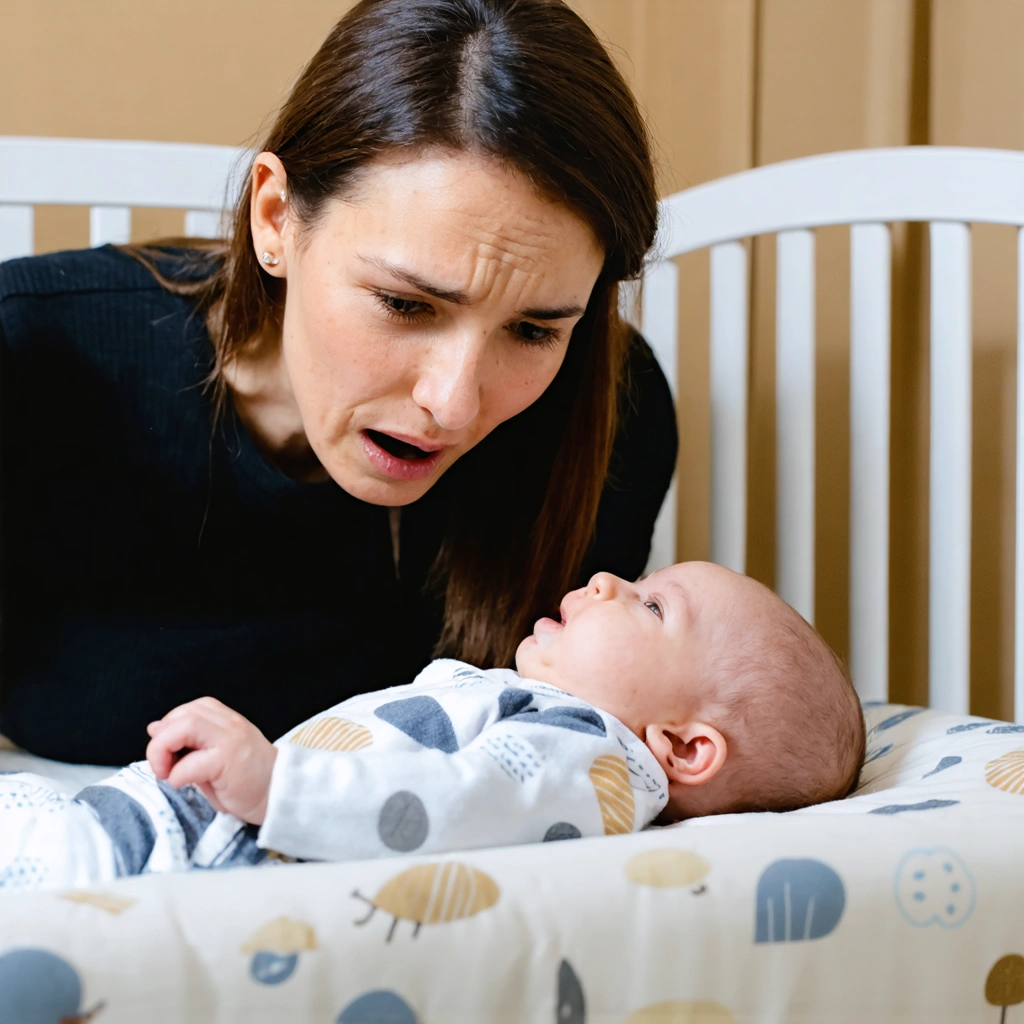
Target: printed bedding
{"x": 902, "y": 903}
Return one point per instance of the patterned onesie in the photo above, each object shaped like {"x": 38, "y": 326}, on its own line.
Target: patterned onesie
{"x": 460, "y": 758}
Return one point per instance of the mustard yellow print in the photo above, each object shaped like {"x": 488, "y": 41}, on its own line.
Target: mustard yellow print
{"x": 433, "y": 894}
{"x": 667, "y": 868}
{"x": 106, "y": 901}
{"x": 1004, "y": 985}
{"x": 610, "y": 777}
{"x": 1007, "y": 772}
{"x": 698, "y": 1011}
{"x": 282, "y": 935}
{"x": 275, "y": 949}
{"x": 338, "y": 734}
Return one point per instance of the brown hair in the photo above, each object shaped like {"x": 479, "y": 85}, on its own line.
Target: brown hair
{"x": 528, "y": 83}
{"x": 798, "y": 710}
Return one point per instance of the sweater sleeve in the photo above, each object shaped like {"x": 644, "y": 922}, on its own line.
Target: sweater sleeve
{"x": 517, "y": 782}
{"x": 643, "y": 461}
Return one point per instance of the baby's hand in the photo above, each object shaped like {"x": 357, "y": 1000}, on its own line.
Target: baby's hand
{"x": 224, "y": 754}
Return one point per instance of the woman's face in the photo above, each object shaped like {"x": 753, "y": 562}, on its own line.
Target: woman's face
{"x": 431, "y": 305}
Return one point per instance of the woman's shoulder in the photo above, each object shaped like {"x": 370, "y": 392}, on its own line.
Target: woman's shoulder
{"x": 74, "y": 298}
{"x": 75, "y": 271}
{"x": 98, "y": 275}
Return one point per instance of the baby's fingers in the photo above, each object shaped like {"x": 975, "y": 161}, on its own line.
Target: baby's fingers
{"x": 198, "y": 767}
{"x": 161, "y": 756}
{"x": 203, "y": 707}
{"x": 186, "y": 732}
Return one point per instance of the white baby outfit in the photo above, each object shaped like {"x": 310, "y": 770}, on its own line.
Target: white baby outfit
{"x": 460, "y": 758}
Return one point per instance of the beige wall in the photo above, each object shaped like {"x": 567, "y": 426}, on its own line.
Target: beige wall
{"x": 728, "y": 84}
{"x": 977, "y": 99}
{"x": 692, "y": 64}
{"x": 169, "y": 70}
{"x": 734, "y": 84}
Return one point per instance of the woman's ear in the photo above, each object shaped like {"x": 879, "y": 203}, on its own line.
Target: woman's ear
{"x": 268, "y": 213}
{"x": 689, "y": 754}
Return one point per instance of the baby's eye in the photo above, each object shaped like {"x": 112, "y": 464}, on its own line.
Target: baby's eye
{"x": 655, "y": 607}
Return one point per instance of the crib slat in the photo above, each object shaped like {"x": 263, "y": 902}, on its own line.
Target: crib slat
{"x": 660, "y": 325}
{"x": 1018, "y": 581}
{"x": 629, "y": 303}
{"x": 794, "y": 411}
{"x": 110, "y": 224}
{"x": 729, "y": 361}
{"x": 659, "y": 322}
{"x": 203, "y": 224}
{"x": 17, "y": 231}
{"x": 949, "y": 556}
{"x": 870, "y": 288}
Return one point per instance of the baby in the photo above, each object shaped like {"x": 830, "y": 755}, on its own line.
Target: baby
{"x": 687, "y": 693}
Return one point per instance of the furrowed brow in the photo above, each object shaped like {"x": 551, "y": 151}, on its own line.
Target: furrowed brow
{"x": 461, "y": 298}
{"x": 559, "y": 313}
{"x": 417, "y": 282}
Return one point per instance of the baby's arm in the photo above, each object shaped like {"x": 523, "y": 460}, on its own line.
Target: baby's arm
{"x": 514, "y": 783}
{"x": 226, "y": 756}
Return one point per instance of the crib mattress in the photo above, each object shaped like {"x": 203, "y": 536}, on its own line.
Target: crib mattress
{"x": 902, "y": 903}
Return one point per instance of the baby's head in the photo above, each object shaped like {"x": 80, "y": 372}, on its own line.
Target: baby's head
{"x": 743, "y": 704}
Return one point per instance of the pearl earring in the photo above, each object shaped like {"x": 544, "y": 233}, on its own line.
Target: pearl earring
{"x": 270, "y": 259}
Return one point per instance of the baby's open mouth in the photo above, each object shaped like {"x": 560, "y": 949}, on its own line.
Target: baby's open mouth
{"x": 545, "y": 629}
{"x": 400, "y": 449}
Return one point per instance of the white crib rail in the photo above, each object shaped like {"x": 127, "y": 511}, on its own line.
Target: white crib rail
{"x": 949, "y": 501}
{"x": 730, "y": 346}
{"x": 111, "y": 177}
{"x": 794, "y": 414}
{"x": 870, "y": 309}
{"x": 948, "y": 188}
{"x": 110, "y": 224}
{"x": 17, "y": 231}
{"x": 659, "y": 324}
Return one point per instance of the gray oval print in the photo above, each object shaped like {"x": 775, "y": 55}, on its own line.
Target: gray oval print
{"x": 403, "y": 823}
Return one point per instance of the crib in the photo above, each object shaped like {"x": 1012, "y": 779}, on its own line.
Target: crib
{"x": 901, "y": 903}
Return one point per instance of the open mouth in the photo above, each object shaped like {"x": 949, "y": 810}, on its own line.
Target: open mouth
{"x": 544, "y": 630}
{"x": 400, "y": 449}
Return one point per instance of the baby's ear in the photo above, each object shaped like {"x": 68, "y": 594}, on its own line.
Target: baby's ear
{"x": 689, "y": 754}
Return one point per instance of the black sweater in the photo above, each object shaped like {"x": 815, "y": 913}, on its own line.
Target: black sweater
{"x": 146, "y": 559}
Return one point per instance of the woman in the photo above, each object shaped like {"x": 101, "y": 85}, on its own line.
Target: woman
{"x": 294, "y": 466}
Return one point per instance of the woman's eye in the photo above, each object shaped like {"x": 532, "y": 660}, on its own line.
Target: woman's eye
{"x": 533, "y": 334}
{"x": 401, "y": 307}
{"x": 655, "y": 607}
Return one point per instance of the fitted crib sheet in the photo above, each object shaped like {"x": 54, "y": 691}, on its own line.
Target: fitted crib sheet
{"x": 902, "y": 903}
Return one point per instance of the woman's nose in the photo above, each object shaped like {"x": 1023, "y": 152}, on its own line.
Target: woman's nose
{"x": 449, "y": 384}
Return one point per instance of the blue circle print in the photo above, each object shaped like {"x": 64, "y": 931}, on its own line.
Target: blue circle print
{"x": 272, "y": 968}
{"x": 380, "y": 1007}
{"x": 797, "y": 900}
{"x": 37, "y": 987}
{"x": 561, "y": 830}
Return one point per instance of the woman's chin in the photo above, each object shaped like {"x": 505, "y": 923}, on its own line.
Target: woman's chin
{"x": 365, "y": 485}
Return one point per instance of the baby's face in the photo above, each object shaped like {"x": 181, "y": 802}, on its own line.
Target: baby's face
{"x": 638, "y": 650}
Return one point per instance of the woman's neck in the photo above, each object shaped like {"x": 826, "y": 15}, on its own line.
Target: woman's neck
{"x": 258, "y": 385}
